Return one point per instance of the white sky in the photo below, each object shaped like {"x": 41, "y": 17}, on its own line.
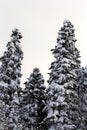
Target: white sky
{"x": 39, "y": 22}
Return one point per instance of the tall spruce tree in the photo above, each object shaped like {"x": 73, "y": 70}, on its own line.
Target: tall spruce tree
{"x": 3, "y": 119}
{"x": 4, "y": 97}
{"x": 62, "y": 94}
{"x": 82, "y": 74}
{"x": 10, "y": 73}
{"x": 33, "y": 102}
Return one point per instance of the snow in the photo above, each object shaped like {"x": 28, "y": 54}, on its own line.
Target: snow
{"x": 60, "y": 99}
{"x": 3, "y": 84}
{"x": 56, "y": 86}
{"x": 61, "y": 119}
{"x": 52, "y": 127}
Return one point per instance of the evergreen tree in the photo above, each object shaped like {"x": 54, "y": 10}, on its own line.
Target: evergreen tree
{"x": 82, "y": 74}
{"x": 33, "y": 101}
{"x": 62, "y": 94}
{"x": 10, "y": 73}
{"x": 3, "y": 119}
{"x": 3, "y": 107}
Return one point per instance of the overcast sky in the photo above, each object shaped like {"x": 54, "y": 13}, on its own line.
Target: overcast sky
{"x": 39, "y": 22}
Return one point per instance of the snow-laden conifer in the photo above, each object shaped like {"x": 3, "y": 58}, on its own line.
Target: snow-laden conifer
{"x": 3, "y": 118}
{"x": 33, "y": 102}
{"x": 10, "y": 74}
{"x": 82, "y": 74}
{"x": 62, "y": 94}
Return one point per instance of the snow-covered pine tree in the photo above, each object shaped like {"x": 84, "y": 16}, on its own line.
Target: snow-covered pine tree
{"x": 3, "y": 119}
{"x": 82, "y": 74}
{"x": 11, "y": 74}
{"x": 33, "y": 102}
{"x": 3, "y": 100}
{"x": 62, "y": 94}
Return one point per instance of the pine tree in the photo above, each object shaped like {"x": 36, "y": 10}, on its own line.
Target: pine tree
{"x": 11, "y": 73}
{"x": 82, "y": 74}
{"x": 3, "y": 119}
{"x": 62, "y": 94}
{"x": 33, "y": 102}
{"x": 3, "y": 107}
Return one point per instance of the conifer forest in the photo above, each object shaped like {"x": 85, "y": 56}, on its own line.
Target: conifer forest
{"x": 62, "y": 105}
